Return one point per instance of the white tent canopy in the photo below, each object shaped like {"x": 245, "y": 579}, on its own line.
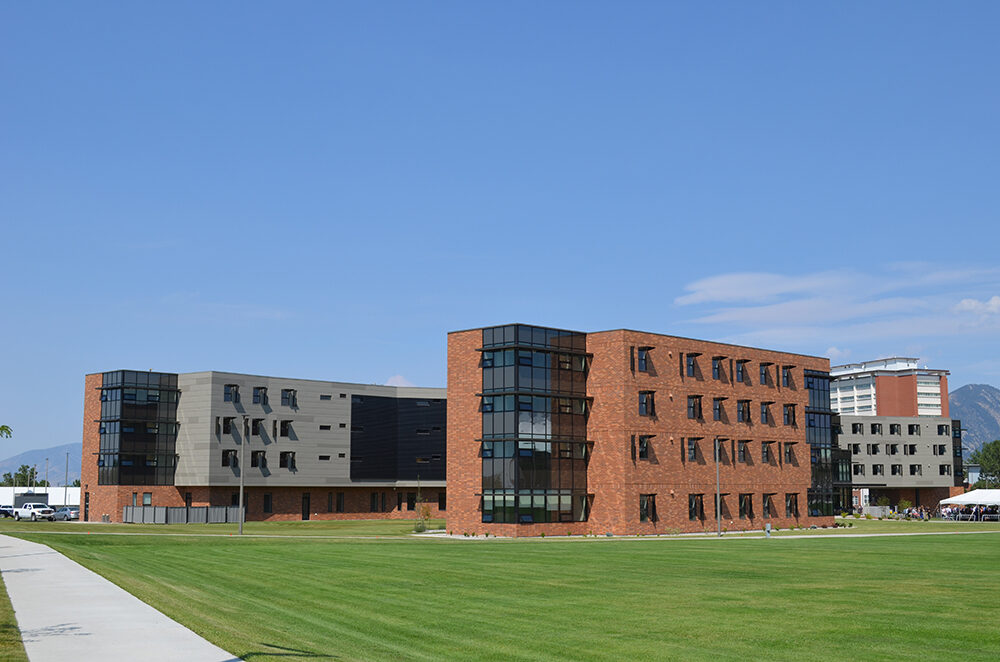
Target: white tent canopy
{"x": 975, "y": 498}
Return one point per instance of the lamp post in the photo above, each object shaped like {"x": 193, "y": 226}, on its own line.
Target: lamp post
{"x": 243, "y": 445}
{"x": 718, "y": 499}
{"x": 66, "y": 482}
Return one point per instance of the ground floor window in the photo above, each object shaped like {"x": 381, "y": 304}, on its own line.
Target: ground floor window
{"x": 647, "y": 507}
{"x": 267, "y": 503}
{"x": 340, "y": 502}
{"x": 767, "y": 507}
{"x": 147, "y": 498}
{"x": 530, "y": 507}
{"x": 746, "y": 506}
{"x": 696, "y": 507}
{"x": 373, "y": 506}
{"x": 441, "y": 501}
{"x": 791, "y": 505}
{"x": 411, "y": 500}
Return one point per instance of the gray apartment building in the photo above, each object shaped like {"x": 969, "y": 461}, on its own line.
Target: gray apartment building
{"x": 305, "y": 448}
{"x": 916, "y": 458}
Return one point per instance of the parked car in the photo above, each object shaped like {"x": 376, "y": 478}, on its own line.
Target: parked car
{"x": 67, "y": 513}
{"x": 6, "y": 511}
{"x": 34, "y": 511}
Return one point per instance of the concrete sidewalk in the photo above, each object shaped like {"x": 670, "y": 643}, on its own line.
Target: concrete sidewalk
{"x": 66, "y": 612}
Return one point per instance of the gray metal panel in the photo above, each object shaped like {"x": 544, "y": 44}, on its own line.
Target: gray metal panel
{"x": 925, "y": 442}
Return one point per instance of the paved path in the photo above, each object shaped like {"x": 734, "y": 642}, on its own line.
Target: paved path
{"x": 66, "y": 612}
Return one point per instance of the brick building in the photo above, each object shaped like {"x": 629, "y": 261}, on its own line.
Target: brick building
{"x": 896, "y": 386}
{"x": 307, "y": 449}
{"x": 553, "y": 431}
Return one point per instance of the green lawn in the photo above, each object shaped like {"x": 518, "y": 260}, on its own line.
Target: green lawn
{"x": 11, "y": 648}
{"x": 898, "y": 598}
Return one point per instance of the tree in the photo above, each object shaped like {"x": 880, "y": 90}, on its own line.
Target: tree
{"x": 76, "y": 483}
{"x": 23, "y": 477}
{"x": 5, "y": 431}
{"x": 988, "y": 459}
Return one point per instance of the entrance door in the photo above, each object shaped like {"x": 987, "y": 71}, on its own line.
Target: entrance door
{"x": 305, "y": 506}
{"x": 86, "y": 506}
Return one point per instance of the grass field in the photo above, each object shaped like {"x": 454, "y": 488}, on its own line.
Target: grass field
{"x": 923, "y": 597}
{"x": 11, "y": 648}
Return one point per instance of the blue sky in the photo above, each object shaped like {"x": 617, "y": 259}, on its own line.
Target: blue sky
{"x": 323, "y": 190}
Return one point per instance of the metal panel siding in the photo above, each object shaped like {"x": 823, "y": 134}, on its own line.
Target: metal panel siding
{"x": 384, "y": 440}
{"x": 374, "y": 423}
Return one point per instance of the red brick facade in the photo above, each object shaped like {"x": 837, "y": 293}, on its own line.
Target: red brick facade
{"x": 616, "y": 480}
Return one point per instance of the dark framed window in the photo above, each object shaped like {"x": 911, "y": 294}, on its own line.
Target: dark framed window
{"x": 765, "y": 452}
{"x": 442, "y": 501}
{"x": 692, "y": 450}
{"x": 694, "y": 406}
{"x": 746, "y": 506}
{"x": 696, "y": 507}
{"x": 717, "y": 409}
{"x": 896, "y": 428}
{"x": 692, "y": 366}
{"x": 260, "y": 395}
{"x": 944, "y": 469}
{"x": 340, "y": 502}
{"x": 878, "y": 469}
{"x": 789, "y": 412}
{"x": 255, "y": 426}
{"x": 716, "y": 368}
{"x": 647, "y": 508}
{"x": 231, "y": 393}
{"x": 764, "y": 417}
{"x": 916, "y": 470}
{"x": 913, "y": 429}
{"x": 286, "y": 428}
{"x": 644, "y": 447}
{"x": 289, "y": 397}
{"x": 897, "y": 470}
{"x": 646, "y": 403}
{"x": 227, "y": 425}
{"x": 857, "y": 428}
{"x": 763, "y": 374}
{"x": 892, "y": 449}
{"x": 767, "y": 506}
{"x": 411, "y": 500}
{"x": 741, "y": 452}
{"x": 258, "y": 459}
{"x": 789, "y": 452}
{"x": 741, "y": 372}
{"x": 876, "y": 428}
{"x": 373, "y": 503}
{"x": 944, "y": 430}
{"x": 791, "y": 505}
{"x": 859, "y": 470}
{"x": 286, "y": 460}
{"x": 786, "y": 375}
{"x": 643, "y": 362}
{"x": 743, "y": 411}
{"x": 229, "y": 458}
{"x": 267, "y": 503}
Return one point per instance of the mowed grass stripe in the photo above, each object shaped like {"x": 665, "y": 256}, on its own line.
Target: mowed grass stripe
{"x": 871, "y": 598}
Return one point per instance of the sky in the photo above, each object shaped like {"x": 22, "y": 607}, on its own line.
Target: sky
{"x": 324, "y": 190}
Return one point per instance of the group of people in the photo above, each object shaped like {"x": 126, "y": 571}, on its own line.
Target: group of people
{"x": 973, "y": 513}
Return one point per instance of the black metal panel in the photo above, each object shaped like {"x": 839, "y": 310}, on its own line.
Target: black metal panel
{"x": 397, "y": 438}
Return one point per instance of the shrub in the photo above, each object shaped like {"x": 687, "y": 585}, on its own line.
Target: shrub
{"x": 542, "y": 534}
{"x": 868, "y": 515}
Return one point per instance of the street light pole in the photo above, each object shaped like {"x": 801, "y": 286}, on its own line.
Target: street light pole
{"x": 718, "y": 499}
{"x": 66, "y": 482}
{"x": 243, "y": 445}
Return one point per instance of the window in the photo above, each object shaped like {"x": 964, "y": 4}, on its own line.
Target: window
{"x": 286, "y": 428}
{"x": 147, "y": 498}
{"x": 764, "y": 418}
{"x": 790, "y": 452}
{"x": 324, "y": 458}
{"x": 859, "y": 470}
{"x": 916, "y": 470}
{"x": 856, "y": 449}
{"x": 692, "y": 450}
{"x": 741, "y": 373}
{"x": 763, "y": 374}
{"x": 746, "y": 506}
{"x": 692, "y": 367}
{"x": 741, "y": 451}
{"x": 325, "y": 397}
{"x": 267, "y": 503}
{"x": 767, "y": 506}
{"x": 938, "y": 449}
{"x": 324, "y": 427}
{"x": 647, "y": 507}
{"x": 644, "y": 447}
{"x": 258, "y": 459}
{"x": 873, "y": 449}
{"x": 227, "y": 425}
{"x": 289, "y": 397}
{"x": 943, "y": 430}
{"x": 340, "y": 502}
{"x": 287, "y": 460}
{"x": 786, "y": 375}
{"x": 765, "y": 452}
{"x": 857, "y": 428}
{"x": 892, "y": 449}
{"x": 876, "y": 428}
{"x": 716, "y": 368}
{"x": 743, "y": 411}
{"x": 897, "y": 470}
{"x": 717, "y": 409}
{"x": 789, "y": 411}
{"x": 944, "y": 469}
{"x": 643, "y": 359}
{"x": 260, "y": 395}
{"x": 896, "y": 428}
{"x": 878, "y": 469}
{"x": 229, "y": 458}
{"x": 373, "y": 503}
{"x": 411, "y": 500}
{"x": 909, "y": 449}
{"x": 231, "y": 393}
{"x": 694, "y": 406}
{"x": 442, "y": 501}
{"x": 255, "y": 426}
{"x": 646, "y": 405}
{"x": 696, "y": 508}
{"x": 791, "y": 505}
{"x": 913, "y": 429}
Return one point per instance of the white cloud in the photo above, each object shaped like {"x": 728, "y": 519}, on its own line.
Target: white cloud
{"x": 989, "y": 307}
{"x": 836, "y": 354}
{"x": 398, "y": 380}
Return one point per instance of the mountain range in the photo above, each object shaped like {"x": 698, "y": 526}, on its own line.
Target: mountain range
{"x": 57, "y": 462}
{"x": 978, "y": 407}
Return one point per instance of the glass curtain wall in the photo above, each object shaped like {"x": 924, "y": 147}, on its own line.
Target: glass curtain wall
{"x": 534, "y": 411}
{"x": 138, "y": 428}
{"x": 827, "y": 491}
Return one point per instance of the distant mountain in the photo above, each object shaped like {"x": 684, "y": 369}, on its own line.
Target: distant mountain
{"x": 978, "y": 407}
{"x": 57, "y": 462}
